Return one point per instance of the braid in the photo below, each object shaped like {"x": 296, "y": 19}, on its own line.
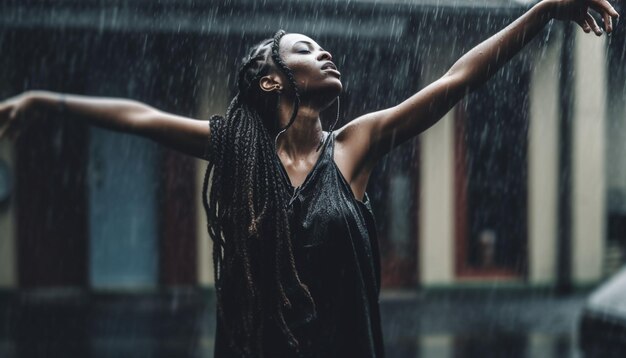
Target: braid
{"x": 279, "y": 62}
{"x": 246, "y": 208}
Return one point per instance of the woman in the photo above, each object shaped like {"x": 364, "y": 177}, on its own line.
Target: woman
{"x": 295, "y": 253}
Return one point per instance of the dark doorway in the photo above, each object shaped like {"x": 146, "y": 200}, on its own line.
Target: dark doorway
{"x": 491, "y": 177}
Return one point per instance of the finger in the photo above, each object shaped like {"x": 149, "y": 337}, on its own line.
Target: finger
{"x": 594, "y": 25}
{"x": 607, "y": 11}
{"x": 600, "y": 6}
{"x": 583, "y": 25}
{"x": 608, "y": 22}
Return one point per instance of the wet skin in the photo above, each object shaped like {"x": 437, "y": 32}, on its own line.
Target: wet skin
{"x": 362, "y": 142}
{"x": 359, "y": 144}
{"x": 318, "y": 84}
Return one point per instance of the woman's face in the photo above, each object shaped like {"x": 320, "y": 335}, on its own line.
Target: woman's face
{"x": 316, "y": 75}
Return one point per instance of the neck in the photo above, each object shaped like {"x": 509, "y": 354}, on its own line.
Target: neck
{"x": 303, "y": 137}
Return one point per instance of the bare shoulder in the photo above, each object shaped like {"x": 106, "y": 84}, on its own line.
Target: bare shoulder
{"x": 354, "y": 151}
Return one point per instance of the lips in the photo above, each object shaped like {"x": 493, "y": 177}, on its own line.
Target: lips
{"x": 331, "y": 68}
{"x": 328, "y": 65}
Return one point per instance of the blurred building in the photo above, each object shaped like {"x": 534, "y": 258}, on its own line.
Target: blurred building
{"x": 523, "y": 184}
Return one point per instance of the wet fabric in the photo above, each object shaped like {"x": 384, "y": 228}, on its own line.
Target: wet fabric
{"x": 336, "y": 254}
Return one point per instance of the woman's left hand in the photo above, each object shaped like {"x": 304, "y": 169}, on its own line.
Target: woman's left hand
{"x": 578, "y": 11}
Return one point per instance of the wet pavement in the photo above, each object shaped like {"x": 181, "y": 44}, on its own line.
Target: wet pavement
{"x": 482, "y": 324}
{"x": 180, "y": 323}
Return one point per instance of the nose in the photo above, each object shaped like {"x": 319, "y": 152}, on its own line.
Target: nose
{"x": 325, "y": 55}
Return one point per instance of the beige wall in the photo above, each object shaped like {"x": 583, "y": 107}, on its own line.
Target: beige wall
{"x": 588, "y": 162}
{"x": 543, "y": 165}
{"x": 589, "y": 181}
{"x": 436, "y": 202}
{"x": 8, "y": 261}
{"x": 436, "y": 236}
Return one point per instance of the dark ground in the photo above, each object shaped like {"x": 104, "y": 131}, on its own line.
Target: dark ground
{"x": 180, "y": 323}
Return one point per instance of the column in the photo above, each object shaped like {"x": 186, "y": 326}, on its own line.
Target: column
{"x": 543, "y": 165}
{"x": 588, "y": 168}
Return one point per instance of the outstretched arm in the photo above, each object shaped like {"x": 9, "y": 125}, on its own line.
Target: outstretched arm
{"x": 371, "y": 136}
{"x": 123, "y": 115}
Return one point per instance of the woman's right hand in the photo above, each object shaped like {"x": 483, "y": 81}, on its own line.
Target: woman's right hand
{"x": 14, "y": 112}
{"x": 578, "y": 11}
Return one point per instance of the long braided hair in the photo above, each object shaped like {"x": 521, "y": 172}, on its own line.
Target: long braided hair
{"x": 246, "y": 208}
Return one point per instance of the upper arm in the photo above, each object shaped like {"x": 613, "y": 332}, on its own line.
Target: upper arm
{"x": 369, "y": 137}
{"x": 186, "y": 135}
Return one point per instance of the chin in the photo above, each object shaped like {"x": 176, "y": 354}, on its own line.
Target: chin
{"x": 335, "y": 89}
{"x": 323, "y": 98}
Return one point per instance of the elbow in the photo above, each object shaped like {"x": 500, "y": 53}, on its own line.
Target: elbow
{"x": 456, "y": 77}
{"x": 457, "y": 84}
{"x": 457, "y": 73}
{"x": 141, "y": 120}
{"x": 466, "y": 80}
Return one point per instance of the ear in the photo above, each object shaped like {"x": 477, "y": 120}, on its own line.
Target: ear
{"x": 271, "y": 83}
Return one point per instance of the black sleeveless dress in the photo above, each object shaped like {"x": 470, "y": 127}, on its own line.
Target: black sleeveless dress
{"x": 336, "y": 254}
